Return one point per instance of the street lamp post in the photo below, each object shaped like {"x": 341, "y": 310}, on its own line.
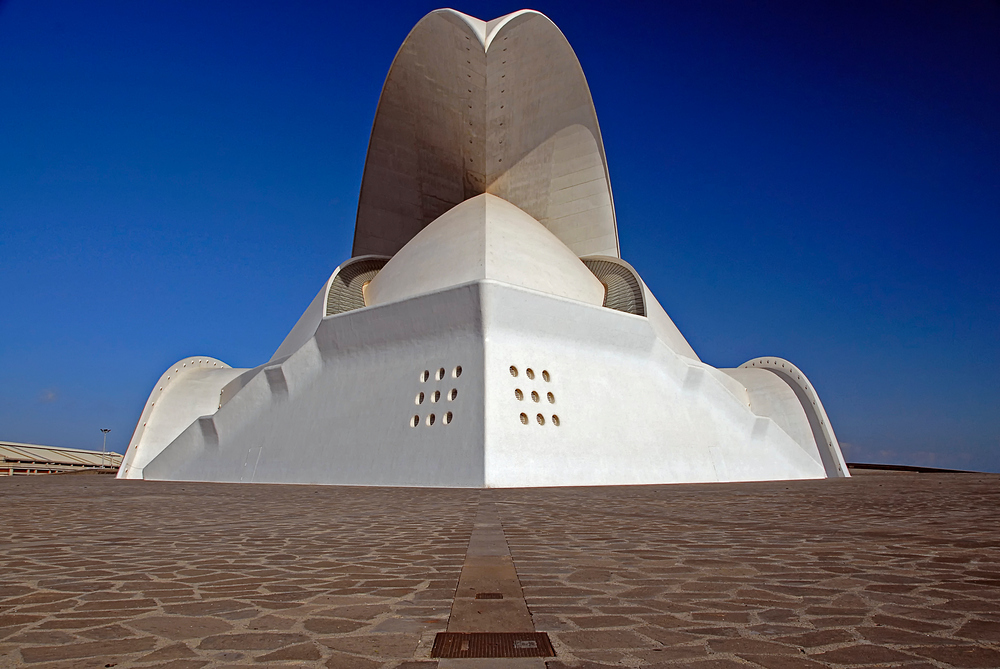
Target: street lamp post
{"x": 104, "y": 448}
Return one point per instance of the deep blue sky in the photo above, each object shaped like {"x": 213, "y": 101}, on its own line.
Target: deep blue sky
{"x": 817, "y": 181}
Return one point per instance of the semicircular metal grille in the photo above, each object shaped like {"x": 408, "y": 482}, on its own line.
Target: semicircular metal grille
{"x": 346, "y": 288}
{"x": 623, "y": 290}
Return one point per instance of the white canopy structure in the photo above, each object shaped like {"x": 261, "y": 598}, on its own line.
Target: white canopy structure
{"x": 486, "y": 332}
{"x": 471, "y": 107}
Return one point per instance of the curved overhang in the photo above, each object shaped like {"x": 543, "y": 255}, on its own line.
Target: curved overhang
{"x": 187, "y": 390}
{"x": 816, "y": 423}
{"x": 472, "y": 107}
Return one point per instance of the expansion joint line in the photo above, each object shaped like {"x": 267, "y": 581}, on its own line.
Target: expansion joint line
{"x": 489, "y": 599}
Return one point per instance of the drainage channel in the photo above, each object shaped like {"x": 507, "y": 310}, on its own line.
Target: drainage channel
{"x": 490, "y": 624}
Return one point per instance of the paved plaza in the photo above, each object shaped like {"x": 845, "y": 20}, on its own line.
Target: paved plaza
{"x": 883, "y": 569}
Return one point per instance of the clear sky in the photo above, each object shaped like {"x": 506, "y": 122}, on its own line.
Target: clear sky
{"x": 814, "y": 180}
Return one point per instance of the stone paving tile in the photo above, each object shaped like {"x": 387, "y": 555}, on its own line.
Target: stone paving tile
{"x": 895, "y": 570}
{"x": 899, "y": 570}
{"x": 100, "y": 572}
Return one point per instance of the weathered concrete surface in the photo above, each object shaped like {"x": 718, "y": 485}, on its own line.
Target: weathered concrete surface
{"x": 877, "y": 570}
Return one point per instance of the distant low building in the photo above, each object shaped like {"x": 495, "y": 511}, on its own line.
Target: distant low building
{"x": 17, "y": 459}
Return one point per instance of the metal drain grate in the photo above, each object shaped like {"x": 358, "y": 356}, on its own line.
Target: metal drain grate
{"x": 492, "y": 644}
{"x": 489, "y": 595}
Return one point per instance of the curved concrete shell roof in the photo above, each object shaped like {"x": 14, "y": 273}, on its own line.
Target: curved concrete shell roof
{"x": 471, "y": 107}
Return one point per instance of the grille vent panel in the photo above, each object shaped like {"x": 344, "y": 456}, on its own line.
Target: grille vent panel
{"x": 624, "y": 292}
{"x": 492, "y": 644}
{"x": 345, "y": 289}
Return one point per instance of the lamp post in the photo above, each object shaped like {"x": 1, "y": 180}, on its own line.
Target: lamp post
{"x": 104, "y": 448}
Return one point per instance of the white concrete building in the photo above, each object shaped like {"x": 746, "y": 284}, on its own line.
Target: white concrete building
{"x": 485, "y": 331}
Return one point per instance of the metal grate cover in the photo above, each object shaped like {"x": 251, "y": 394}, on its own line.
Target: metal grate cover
{"x": 492, "y": 644}
{"x": 345, "y": 289}
{"x": 624, "y": 292}
{"x": 489, "y": 595}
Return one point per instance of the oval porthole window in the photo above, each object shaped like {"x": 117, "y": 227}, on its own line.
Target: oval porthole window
{"x": 541, "y": 419}
{"x": 420, "y": 398}
{"x": 555, "y": 420}
{"x": 545, "y": 375}
{"x": 524, "y": 419}
{"x": 440, "y": 374}
{"x": 430, "y": 420}
{"x": 414, "y": 421}
{"x": 447, "y": 418}
{"x": 551, "y": 398}
{"x": 513, "y": 370}
{"x": 436, "y": 396}
{"x": 534, "y": 396}
{"x": 424, "y": 375}
{"x": 530, "y": 373}
{"x": 453, "y": 394}
{"x": 518, "y": 394}
{"x": 458, "y": 372}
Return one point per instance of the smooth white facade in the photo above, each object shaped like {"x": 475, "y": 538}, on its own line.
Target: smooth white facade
{"x": 486, "y": 333}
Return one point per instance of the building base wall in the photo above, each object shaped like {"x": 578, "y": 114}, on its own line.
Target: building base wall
{"x": 346, "y": 408}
